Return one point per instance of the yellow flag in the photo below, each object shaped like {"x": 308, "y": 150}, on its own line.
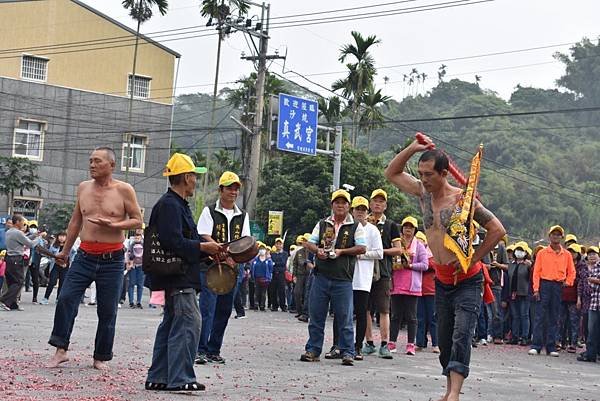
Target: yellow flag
{"x": 461, "y": 230}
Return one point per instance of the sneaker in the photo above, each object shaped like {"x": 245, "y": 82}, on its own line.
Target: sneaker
{"x": 369, "y": 349}
{"x": 435, "y": 350}
{"x": 44, "y": 301}
{"x": 419, "y": 349}
{"x": 200, "y": 359}
{"x": 151, "y": 306}
{"x": 5, "y": 307}
{"x": 239, "y": 317}
{"x": 303, "y": 318}
{"x": 583, "y": 358}
{"x": 522, "y": 342}
{"x": 188, "y": 388}
{"x": 483, "y": 341}
{"x": 309, "y": 357}
{"x": 498, "y": 341}
{"x": 132, "y": 305}
{"x": 139, "y": 306}
{"x": 489, "y": 339}
{"x": 215, "y": 359}
{"x": 119, "y": 306}
{"x": 384, "y": 352}
{"x": 554, "y": 354}
{"x": 334, "y": 353}
{"x": 358, "y": 356}
{"x": 392, "y": 347}
{"x": 572, "y": 349}
{"x": 533, "y": 351}
{"x": 410, "y": 349}
{"x": 34, "y": 301}
{"x": 347, "y": 360}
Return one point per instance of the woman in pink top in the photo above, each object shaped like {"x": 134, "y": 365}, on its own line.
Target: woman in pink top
{"x": 406, "y": 284}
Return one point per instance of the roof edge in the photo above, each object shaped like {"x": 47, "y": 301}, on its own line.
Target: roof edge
{"x": 125, "y": 27}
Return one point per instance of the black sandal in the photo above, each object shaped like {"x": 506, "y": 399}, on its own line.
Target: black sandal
{"x": 189, "y": 387}
{"x": 155, "y": 386}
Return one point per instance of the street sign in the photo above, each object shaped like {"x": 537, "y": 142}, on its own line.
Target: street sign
{"x": 275, "y": 226}
{"x": 297, "y": 127}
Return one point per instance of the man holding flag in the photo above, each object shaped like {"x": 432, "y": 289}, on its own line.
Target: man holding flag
{"x": 449, "y": 214}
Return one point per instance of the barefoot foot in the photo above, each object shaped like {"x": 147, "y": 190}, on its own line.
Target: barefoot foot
{"x": 100, "y": 365}
{"x": 444, "y": 398}
{"x": 59, "y": 357}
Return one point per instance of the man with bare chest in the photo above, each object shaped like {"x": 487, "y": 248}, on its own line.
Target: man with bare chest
{"x": 104, "y": 209}
{"x": 458, "y": 294}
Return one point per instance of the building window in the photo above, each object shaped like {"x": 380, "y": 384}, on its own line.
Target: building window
{"x": 34, "y": 68}
{"x": 28, "y": 207}
{"x": 137, "y": 153}
{"x": 29, "y": 139}
{"x": 141, "y": 87}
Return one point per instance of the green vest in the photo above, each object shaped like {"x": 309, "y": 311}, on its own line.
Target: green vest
{"x": 341, "y": 268}
{"x": 221, "y": 230}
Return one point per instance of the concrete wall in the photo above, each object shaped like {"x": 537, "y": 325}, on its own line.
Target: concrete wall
{"x": 77, "y": 122}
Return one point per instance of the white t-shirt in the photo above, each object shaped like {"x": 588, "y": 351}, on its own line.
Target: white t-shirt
{"x": 363, "y": 270}
{"x": 205, "y": 222}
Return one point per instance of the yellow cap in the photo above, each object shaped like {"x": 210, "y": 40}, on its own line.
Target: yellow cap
{"x": 511, "y": 247}
{"x": 293, "y": 248}
{"x": 410, "y": 220}
{"x": 379, "y": 192}
{"x": 570, "y": 237}
{"x": 180, "y": 164}
{"x": 3, "y": 252}
{"x": 229, "y": 178}
{"x": 521, "y": 244}
{"x": 340, "y": 193}
{"x": 273, "y": 249}
{"x": 278, "y": 240}
{"x": 261, "y": 244}
{"x": 575, "y": 248}
{"x": 32, "y": 223}
{"x": 307, "y": 236}
{"x": 592, "y": 249}
{"x": 421, "y": 236}
{"x": 556, "y": 228}
{"x": 300, "y": 239}
{"x": 360, "y": 201}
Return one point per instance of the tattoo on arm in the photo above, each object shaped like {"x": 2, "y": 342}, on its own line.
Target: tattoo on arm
{"x": 483, "y": 216}
{"x": 427, "y": 209}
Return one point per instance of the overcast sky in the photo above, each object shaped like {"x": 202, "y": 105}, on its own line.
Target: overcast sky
{"x": 408, "y": 39}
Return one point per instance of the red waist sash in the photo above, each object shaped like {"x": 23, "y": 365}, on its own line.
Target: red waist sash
{"x": 98, "y": 248}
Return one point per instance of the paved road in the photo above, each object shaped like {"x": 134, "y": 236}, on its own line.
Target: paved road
{"x": 262, "y": 364}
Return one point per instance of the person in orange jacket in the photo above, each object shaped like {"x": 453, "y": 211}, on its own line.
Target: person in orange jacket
{"x": 553, "y": 269}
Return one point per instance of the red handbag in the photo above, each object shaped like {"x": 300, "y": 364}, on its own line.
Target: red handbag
{"x": 289, "y": 277}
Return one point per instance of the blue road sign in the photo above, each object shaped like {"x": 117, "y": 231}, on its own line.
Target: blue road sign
{"x": 297, "y": 127}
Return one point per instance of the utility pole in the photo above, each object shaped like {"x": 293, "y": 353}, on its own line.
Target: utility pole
{"x": 335, "y": 154}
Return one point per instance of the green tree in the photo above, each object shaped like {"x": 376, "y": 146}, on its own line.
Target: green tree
{"x": 582, "y": 69}
{"x": 330, "y": 109}
{"x": 360, "y": 74}
{"x": 18, "y": 174}
{"x": 56, "y": 216}
{"x": 371, "y": 116}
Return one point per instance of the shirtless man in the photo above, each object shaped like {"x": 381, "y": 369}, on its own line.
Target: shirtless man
{"x": 458, "y": 295}
{"x": 104, "y": 209}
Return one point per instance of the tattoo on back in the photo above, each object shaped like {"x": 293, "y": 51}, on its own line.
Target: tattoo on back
{"x": 483, "y": 216}
{"x": 427, "y": 207}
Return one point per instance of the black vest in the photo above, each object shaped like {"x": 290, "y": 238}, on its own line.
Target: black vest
{"x": 341, "y": 268}
{"x": 385, "y": 264}
{"x": 221, "y": 230}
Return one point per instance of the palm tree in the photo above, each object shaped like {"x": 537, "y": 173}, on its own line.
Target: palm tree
{"x": 140, "y": 11}
{"x": 360, "y": 73}
{"x": 372, "y": 117}
{"x": 218, "y": 10}
{"x": 330, "y": 109}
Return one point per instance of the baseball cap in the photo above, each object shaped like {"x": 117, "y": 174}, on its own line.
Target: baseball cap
{"x": 421, "y": 235}
{"x": 556, "y": 228}
{"x": 180, "y": 164}
{"x": 229, "y": 178}
{"x": 593, "y": 249}
{"x": 32, "y": 223}
{"x": 300, "y": 239}
{"x": 278, "y": 240}
{"x": 410, "y": 220}
{"x": 379, "y": 192}
{"x": 570, "y": 237}
{"x": 3, "y": 252}
{"x": 575, "y": 248}
{"x": 511, "y": 247}
{"x": 340, "y": 193}
{"x": 360, "y": 201}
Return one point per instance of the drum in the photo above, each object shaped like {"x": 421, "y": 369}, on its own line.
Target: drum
{"x": 243, "y": 250}
{"x": 221, "y": 278}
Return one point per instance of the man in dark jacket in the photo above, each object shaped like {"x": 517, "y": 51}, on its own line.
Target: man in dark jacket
{"x": 279, "y": 259}
{"x": 179, "y": 332}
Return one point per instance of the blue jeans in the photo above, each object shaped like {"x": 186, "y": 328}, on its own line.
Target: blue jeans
{"x": 519, "y": 311}
{"x": 593, "y": 339}
{"x": 136, "y": 279}
{"x": 426, "y": 321}
{"x": 215, "y": 310}
{"x": 568, "y": 328}
{"x": 547, "y": 314}
{"x": 339, "y": 293}
{"x": 307, "y": 287}
{"x": 495, "y": 314}
{"x": 108, "y": 275}
{"x": 457, "y": 308}
{"x": 176, "y": 340}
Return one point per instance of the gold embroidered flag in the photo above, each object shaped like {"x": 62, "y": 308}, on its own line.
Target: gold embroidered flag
{"x": 461, "y": 230}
